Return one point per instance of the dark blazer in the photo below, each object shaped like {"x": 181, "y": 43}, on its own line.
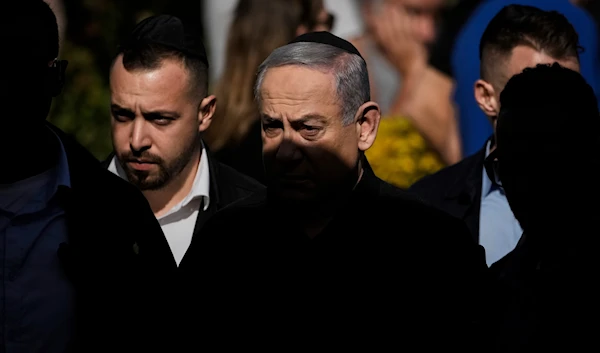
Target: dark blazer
{"x": 387, "y": 270}
{"x": 227, "y": 185}
{"x": 116, "y": 257}
{"x": 545, "y": 296}
{"x": 456, "y": 190}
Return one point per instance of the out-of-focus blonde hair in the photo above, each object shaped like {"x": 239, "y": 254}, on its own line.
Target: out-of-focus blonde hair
{"x": 258, "y": 28}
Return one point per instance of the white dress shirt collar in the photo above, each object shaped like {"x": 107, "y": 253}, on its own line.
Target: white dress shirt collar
{"x": 200, "y": 187}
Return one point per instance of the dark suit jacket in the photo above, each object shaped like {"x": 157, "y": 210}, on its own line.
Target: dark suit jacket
{"x": 227, "y": 185}
{"x": 456, "y": 190}
{"x": 116, "y": 257}
{"x": 387, "y": 270}
{"x": 546, "y": 295}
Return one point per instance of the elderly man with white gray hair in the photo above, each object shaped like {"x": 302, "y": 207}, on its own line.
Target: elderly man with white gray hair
{"x": 329, "y": 247}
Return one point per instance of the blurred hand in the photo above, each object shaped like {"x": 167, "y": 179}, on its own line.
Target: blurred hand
{"x": 391, "y": 29}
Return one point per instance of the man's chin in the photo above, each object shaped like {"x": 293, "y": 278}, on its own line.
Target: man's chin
{"x": 145, "y": 182}
{"x": 292, "y": 196}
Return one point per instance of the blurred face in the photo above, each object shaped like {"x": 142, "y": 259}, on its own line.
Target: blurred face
{"x": 423, "y": 17}
{"x": 324, "y": 21}
{"x": 487, "y": 94}
{"x": 308, "y": 152}
{"x": 156, "y": 122}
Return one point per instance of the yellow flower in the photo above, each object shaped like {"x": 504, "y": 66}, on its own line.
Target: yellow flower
{"x": 400, "y": 155}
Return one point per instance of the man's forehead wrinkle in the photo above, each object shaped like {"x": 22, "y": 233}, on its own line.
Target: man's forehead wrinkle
{"x": 277, "y": 97}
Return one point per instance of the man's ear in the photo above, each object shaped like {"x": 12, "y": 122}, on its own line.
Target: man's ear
{"x": 206, "y": 110}
{"x": 485, "y": 95}
{"x": 367, "y": 123}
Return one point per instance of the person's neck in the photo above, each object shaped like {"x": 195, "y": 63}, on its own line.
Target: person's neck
{"x": 28, "y": 154}
{"x": 316, "y": 222}
{"x": 164, "y": 199}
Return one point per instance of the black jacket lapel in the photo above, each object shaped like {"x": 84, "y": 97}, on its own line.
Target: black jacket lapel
{"x": 465, "y": 194}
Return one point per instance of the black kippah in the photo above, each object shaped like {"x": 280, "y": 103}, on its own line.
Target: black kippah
{"x": 168, "y": 31}
{"x": 329, "y": 39}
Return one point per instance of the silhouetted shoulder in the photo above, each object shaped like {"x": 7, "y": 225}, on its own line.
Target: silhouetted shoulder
{"x": 117, "y": 213}
{"x": 410, "y": 206}
{"x": 107, "y": 186}
{"x": 399, "y": 212}
{"x": 238, "y": 179}
{"x": 435, "y": 186}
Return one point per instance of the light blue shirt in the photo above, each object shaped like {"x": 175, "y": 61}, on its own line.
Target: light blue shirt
{"x": 36, "y": 299}
{"x": 499, "y": 231}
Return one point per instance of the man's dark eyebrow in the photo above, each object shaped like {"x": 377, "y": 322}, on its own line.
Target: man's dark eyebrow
{"x": 267, "y": 118}
{"x": 115, "y": 108}
{"x": 161, "y": 113}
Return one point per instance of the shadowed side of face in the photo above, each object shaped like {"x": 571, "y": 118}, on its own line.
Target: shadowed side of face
{"x": 30, "y": 38}
{"x": 308, "y": 152}
{"x": 155, "y": 125}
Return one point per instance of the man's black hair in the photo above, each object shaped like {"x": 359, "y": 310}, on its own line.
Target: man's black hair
{"x": 162, "y": 37}
{"x": 514, "y": 25}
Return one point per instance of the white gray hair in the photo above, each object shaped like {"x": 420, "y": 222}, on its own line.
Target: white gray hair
{"x": 350, "y": 71}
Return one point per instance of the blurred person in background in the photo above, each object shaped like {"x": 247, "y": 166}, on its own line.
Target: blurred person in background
{"x": 258, "y": 27}
{"x": 160, "y": 108}
{"x": 79, "y": 246}
{"x": 399, "y": 34}
{"x": 516, "y": 38}
{"x": 217, "y": 16}
{"x": 455, "y": 55}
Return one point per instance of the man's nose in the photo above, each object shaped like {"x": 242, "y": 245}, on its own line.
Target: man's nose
{"x": 139, "y": 140}
{"x": 288, "y": 150}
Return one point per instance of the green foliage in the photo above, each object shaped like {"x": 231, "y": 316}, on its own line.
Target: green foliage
{"x": 83, "y": 107}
